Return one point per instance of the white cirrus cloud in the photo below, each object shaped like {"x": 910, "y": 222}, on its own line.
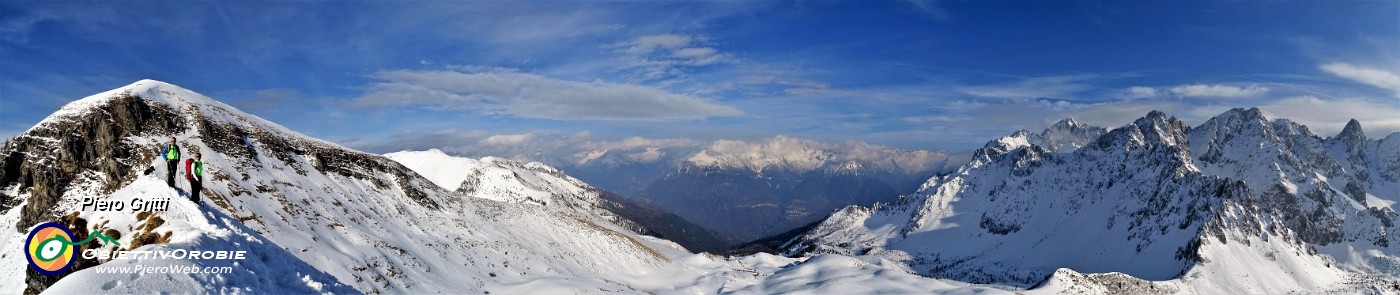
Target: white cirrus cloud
{"x": 1218, "y": 90}
{"x": 1136, "y": 92}
{"x": 1374, "y": 77}
{"x": 666, "y": 55}
{"x": 534, "y": 96}
{"x": 651, "y": 43}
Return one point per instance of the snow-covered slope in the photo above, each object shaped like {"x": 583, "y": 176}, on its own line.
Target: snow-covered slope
{"x": 1239, "y": 204}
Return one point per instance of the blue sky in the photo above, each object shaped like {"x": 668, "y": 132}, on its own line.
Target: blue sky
{"x": 382, "y": 76}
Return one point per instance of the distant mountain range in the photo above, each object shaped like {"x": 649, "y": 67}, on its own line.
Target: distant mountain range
{"x": 1239, "y": 204}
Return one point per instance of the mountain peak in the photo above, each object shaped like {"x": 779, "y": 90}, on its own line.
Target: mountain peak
{"x": 155, "y": 90}
{"x": 1253, "y": 114}
{"x": 1066, "y": 123}
{"x": 1352, "y": 130}
{"x": 146, "y": 89}
{"x": 1152, "y": 118}
{"x": 1155, "y": 127}
{"x": 1154, "y": 114}
{"x": 151, "y": 83}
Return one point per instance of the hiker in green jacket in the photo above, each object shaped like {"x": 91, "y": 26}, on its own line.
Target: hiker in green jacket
{"x": 171, "y": 153}
{"x": 194, "y": 173}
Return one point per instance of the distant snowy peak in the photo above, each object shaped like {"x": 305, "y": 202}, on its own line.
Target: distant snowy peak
{"x": 1068, "y": 135}
{"x": 1064, "y": 136}
{"x": 498, "y": 179}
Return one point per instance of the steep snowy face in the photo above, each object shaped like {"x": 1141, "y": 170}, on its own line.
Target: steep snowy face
{"x": 350, "y": 218}
{"x": 1142, "y": 201}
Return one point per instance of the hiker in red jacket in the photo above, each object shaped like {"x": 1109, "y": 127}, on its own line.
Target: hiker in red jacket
{"x": 194, "y": 173}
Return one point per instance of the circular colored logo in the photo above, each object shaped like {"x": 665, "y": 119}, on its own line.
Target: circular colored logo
{"x": 50, "y": 248}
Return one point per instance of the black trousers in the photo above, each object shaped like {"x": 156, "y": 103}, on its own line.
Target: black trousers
{"x": 170, "y": 166}
{"x": 195, "y": 187}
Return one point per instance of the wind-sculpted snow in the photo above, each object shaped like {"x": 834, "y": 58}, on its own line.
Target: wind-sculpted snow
{"x": 1239, "y": 204}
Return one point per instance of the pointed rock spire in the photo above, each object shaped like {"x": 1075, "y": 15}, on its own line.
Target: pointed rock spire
{"x": 1352, "y": 132}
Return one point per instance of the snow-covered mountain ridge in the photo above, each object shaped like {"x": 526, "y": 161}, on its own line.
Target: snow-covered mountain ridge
{"x": 365, "y": 220}
{"x": 1241, "y": 203}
